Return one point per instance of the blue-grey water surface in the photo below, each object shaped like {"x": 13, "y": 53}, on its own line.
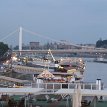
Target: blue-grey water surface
{"x": 95, "y": 71}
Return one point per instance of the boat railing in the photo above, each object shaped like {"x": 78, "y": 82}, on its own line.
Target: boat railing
{"x": 53, "y": 87}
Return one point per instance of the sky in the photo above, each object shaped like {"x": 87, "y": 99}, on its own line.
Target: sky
{"x": 76, "y": 21}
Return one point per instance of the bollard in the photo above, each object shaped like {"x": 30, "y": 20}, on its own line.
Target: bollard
{"x": 99, "y": 87}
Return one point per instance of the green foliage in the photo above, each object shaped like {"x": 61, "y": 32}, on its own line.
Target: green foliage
{"x": 3, "y": 48}
{"x": 101, "y": 44}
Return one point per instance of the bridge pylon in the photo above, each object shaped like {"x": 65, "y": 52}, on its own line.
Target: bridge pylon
{"x": 20, "y": 39}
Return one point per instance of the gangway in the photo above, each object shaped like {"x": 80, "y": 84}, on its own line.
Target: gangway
{"x": 9, "y": 82}
{"x": 12, "y": 79}
{"x": 26, "y": 69}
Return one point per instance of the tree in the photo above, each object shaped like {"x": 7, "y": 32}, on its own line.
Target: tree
{"x": 99, "y": 43}
{"x": 104, "y": 43}
{"x": 3, "y": 48}
{"x": 5, "y": 54}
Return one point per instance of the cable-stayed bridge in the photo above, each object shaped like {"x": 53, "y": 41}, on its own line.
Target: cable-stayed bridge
{"x": 82, "y": 49}
{"x": 21, "y": 30}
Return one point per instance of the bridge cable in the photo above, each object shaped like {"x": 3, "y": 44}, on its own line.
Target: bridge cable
{"x": 48, "y": 38}
{"x": 9, "y": 35}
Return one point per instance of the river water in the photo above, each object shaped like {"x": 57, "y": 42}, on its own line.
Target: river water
{"x": 95, "y": 71}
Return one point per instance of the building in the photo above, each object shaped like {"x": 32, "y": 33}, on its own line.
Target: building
{"x": 34, "y": 45}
